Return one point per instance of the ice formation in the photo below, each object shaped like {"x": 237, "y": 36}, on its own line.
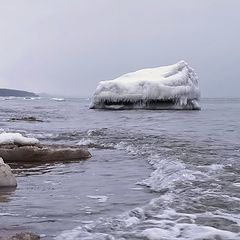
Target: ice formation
{"x": 16, "y": 138}
{"x": 169, "y": 87}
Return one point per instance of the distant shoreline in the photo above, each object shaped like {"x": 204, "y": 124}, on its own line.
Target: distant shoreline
{"x": 4, "y": 92}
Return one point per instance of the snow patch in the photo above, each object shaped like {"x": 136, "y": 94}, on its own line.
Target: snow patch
{"x": 16, "y": 138}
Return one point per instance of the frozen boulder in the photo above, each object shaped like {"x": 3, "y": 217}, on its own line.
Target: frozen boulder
{"x": 7, "y": 179}
{"x": 169, "y": 87}
{"x": 16, "y": 148}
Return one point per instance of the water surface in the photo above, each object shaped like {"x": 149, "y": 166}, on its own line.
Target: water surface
{"x": 153, "y": 174}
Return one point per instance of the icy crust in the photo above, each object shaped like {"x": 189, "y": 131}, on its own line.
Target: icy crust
{"x": 16, "y": 138}
{"x": 169, "y": 87}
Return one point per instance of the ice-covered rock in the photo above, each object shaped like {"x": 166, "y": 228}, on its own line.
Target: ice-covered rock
{"x": 17, "y": 139}
{"x": 16, "y": 148}
{"x": 7, "y": 178}
{"x": 169, "y": 87}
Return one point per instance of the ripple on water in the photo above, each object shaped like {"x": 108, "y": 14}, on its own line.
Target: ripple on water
{"x": 189, "y": 190}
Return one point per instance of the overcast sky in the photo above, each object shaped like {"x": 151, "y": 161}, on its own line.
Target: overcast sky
{"x": 66, "y": 47}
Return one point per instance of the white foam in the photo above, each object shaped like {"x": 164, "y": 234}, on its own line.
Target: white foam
{"x": 84, "y": 142}
{"x": 148, "y": 224}
{"x": 101, "y": 199}
{"x": 31, "y": 98}
{"x": 167, "y": 225}
{"x": 127, "y": 147}
{"x": 58, "y": 99}
{"x": 237, "y": 184}
{"x": 9, "y": 214}
{"x": 156, "y": 234}
{"x": 16, "y": 138}
{"x": 188, "y": 232}
{"x": 44, "y": 135}
{"x": 132, "y": 221}
{"x": 213, "y": 167}
{"x": 137, "y": 188}
{"x": 158, "y": 219}
{"x": 167, "y": 173}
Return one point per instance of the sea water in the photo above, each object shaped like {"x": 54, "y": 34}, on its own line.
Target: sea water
{"x": 153, "y": 174}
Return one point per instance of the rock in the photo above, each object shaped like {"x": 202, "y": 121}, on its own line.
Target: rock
{"x": 24, "y": 236}
{"x": 7, "y": 179}
{"x": 42, "y": 153}
{"x": 26, "y": 119}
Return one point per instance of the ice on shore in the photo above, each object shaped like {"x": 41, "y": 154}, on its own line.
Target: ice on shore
{"x": 169, "y": 87}
{"x": 16, "y": 138}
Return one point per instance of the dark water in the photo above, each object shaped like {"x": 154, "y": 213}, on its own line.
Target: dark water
{"x": 153, "y": 175}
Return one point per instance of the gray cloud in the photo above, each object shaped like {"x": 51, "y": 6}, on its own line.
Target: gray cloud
{"x": 66, "y": 47}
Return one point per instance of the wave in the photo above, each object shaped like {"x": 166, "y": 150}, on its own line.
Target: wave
{"x": 143, "y": 223}
{"x": 191, "y": 203}
{"x": 31, "y": 98}
{"x": 58, "y": 99}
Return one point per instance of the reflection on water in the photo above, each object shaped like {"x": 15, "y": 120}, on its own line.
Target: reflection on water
{"x": 50, "y": 198}
{"x": 29, "y": 169}
{"x": 5, "y": 195}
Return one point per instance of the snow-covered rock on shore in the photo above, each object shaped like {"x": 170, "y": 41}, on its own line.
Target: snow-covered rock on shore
{"x": 7, "y": 179}
{"x": 14, "y": 147}
{"x": 169, "y": 87}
